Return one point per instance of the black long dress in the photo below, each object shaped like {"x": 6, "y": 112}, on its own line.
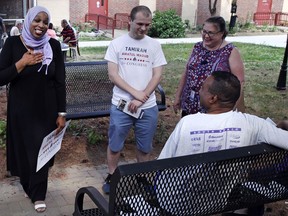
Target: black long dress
{"x": 33, "y": 103}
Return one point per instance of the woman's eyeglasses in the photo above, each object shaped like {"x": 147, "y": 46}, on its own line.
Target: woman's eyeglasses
{"x": 209, "y": 33}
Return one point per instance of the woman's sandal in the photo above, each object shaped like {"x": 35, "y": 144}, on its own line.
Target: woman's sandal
{"x": 39, "y": 206}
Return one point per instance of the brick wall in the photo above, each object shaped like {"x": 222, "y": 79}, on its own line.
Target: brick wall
{"x": 245, "y": 10}
{"x": 277, "y": 6}
{"x": 121, "y": 6}
{"x": 163, "y": 5}
{"x": 204, "y": 12}
{"x": 78, "y": 9}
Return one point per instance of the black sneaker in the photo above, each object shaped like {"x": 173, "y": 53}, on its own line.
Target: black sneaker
{"x": 106, "y": 185}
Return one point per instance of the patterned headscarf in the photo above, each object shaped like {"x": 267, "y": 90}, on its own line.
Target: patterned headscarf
{"x": 41, "y": 43}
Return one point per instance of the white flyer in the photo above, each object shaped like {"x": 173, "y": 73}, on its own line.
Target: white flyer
{"x": 51, "y": 144}
{"x": 123, "y": 106}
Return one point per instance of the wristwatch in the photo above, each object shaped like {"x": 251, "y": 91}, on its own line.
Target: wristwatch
{"x": 62, "y": 114}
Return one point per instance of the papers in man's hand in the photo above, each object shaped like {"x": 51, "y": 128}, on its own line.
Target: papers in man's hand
{"x": 51, "y": 144}
{"x": 123, "y": 106}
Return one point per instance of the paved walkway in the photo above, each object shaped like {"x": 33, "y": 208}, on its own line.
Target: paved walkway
{"x": 63, "y": 186}
{"x": 277, "y": 40}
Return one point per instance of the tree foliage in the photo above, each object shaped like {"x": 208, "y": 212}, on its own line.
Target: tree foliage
{"x": 167, "y": 24}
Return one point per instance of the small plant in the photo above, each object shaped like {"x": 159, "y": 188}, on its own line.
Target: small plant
{"x": 94, "y": 138}
{"x": 187, "y": 24}
{"x": 2, "y": 133}
{"x": 167, "y": 24}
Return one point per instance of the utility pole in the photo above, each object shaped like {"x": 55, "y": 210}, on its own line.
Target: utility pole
{"x": 281, "y": 84}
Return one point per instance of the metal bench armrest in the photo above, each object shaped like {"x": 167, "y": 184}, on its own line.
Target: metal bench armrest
{"x": 95, "y": 196}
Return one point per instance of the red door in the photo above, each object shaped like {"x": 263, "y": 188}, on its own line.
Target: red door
{"x": 99, "y": 7}
{"x": 264, "y": 15}
{"x": 264, "y": 6}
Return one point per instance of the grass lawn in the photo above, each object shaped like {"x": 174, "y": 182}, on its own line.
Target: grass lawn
{"x": 262, "y": 67}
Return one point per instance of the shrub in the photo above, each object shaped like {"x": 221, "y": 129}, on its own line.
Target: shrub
{"x": 167, "y": 24}
{"x": 2, "y": 133}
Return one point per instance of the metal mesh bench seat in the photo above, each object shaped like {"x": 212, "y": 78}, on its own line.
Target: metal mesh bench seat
{"x": 201, "y": 184}
{"x": 89, "y": 90}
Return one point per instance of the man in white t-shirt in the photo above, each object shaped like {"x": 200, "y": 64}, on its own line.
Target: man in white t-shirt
{"x": 135, "y": 65}
{"x": 221, "y": 127}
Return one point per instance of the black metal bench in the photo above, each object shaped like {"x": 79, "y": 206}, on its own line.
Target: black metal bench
{"x": 89, "y": 90}
{"x": 201, "y": 184}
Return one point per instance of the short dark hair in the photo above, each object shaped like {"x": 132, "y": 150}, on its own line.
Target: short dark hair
{"x": 226, "y": 86}
{"x": 64, "y": 21}
{"x": 141, "y": 8}
{"x": 220, "y": 23}
{"x": 50, "y": 26}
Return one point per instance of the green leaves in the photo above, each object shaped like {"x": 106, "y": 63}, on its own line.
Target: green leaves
{"x": 167, "y": 24}
{"x": 2, "y": 133}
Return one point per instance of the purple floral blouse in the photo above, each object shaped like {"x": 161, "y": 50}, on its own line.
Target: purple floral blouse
{"x": 200, "y": 65}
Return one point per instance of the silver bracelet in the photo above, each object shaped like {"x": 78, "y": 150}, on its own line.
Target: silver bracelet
{"x": 62, "y": 114}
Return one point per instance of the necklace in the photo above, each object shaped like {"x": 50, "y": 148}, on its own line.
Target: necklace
{"x": 214, "y": 49}
{"x": 29, "y": 50}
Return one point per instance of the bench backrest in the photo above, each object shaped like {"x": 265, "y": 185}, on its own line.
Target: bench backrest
{"x": 89, "y": 90}
{"x": 201, "y": 184}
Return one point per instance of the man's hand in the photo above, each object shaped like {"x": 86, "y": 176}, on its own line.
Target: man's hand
{"x": 141, "y": 96}
{"x": 134, "y": 105}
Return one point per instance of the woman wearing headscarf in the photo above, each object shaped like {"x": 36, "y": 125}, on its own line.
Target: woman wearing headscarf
{"x": 32, "y": 64}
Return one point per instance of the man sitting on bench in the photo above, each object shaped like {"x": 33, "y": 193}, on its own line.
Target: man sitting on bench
{"x": 221, "y": 127}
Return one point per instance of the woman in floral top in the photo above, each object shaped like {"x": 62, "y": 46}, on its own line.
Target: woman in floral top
{"x": 214, "y": 53}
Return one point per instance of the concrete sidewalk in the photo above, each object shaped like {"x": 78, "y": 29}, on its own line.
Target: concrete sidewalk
{"x": 62, "y": 188}
{"x": 61, "y": 192}
{"x": 268, "y": 40}
{"x": 63, "y": 184}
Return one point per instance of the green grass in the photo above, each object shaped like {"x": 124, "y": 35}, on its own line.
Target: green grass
{"x": 262, "y": 67}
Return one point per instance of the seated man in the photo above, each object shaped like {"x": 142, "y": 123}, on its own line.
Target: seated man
{"x": 221, "y": 127}
{"x": 68, "y": 33}
{"x": 16, "y": 30}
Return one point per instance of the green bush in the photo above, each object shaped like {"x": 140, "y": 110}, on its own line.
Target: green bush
{"x": 167, "y": 24}
{"x": 2, "y": 133}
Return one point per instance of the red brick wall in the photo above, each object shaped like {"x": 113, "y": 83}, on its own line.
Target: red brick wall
{"x": 121, "y": 6}
{"x": 163, "y": 5}
{"x": 78, "y": 9}
{"x": 204, "y": 12}
{"x": 246, "y": 10}
{"x": 277, "y": 6}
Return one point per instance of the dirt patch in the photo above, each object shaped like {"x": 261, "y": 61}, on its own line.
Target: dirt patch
{"x": 76, "y": 149}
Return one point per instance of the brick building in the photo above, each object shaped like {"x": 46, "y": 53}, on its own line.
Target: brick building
{"x": 196, "y": 11}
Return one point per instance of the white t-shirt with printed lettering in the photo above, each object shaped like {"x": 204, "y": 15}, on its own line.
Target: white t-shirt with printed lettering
{"x": 202, "y": 132}
{"x": 136, "y": 60}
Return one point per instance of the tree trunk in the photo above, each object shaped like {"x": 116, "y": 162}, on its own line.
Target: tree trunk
{"x": 212, "y": 9}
